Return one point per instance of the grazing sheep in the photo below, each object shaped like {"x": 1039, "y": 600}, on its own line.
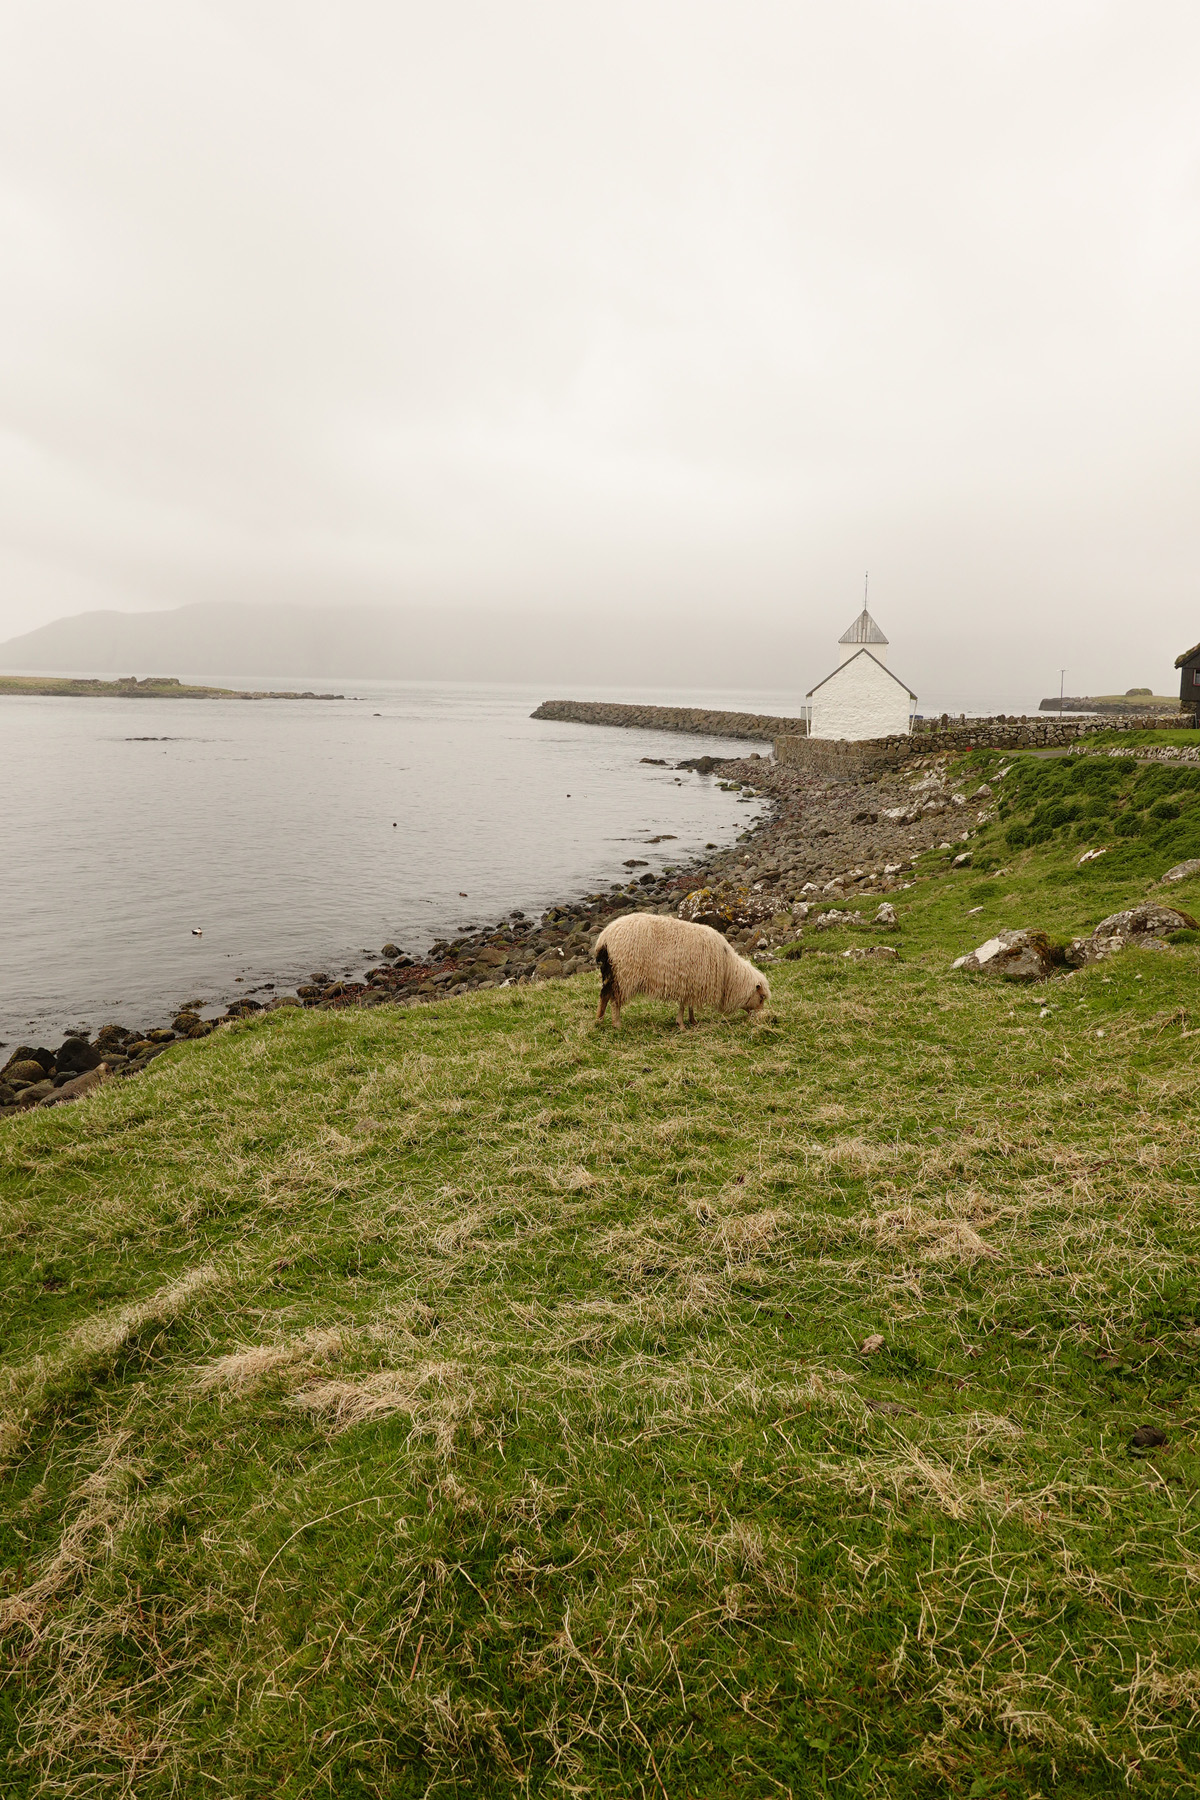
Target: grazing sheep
{"x": 670, "y": 959}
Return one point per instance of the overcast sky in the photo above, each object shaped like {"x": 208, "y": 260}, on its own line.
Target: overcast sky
{"x": 687, "y": 306}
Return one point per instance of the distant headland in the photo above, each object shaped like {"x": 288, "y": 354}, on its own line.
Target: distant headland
{"x": 1133, "y": 700}
{"x": 149, "y": 687}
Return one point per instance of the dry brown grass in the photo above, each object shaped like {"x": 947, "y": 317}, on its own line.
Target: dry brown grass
{"x": 601, "y": 1471}
{"x": 240, "y": 1370}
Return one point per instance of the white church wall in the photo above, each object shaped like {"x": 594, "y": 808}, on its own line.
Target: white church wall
{"x": 859, "y": 700}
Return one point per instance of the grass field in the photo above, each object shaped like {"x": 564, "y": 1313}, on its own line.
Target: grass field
{"x": 1183, "y": 735}
{"x": 464, "y": 1400}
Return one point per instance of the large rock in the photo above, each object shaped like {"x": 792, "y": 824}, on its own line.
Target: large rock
{"x": 1146, "y": 924}
{"x": 31, "y": 1096}
{"x": 1012, "y": 955}
{"x": 1183, "y": 871}
{"x": 75, "y": 1090}
{"x": 27, "y": 1053}
{"x": 77, "y": 1056}
{"x": 26, "y": 1070}
{"x": 833, "y": 919}
{"x": 726, "y": 908}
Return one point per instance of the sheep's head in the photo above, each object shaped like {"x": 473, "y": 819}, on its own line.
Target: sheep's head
{"x": 759, "y": 996}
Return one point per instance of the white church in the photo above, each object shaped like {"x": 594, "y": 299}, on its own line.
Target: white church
{"x": 862, "y": 698}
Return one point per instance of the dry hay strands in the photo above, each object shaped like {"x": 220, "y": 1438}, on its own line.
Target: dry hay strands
{"x": 104, "y": 1506}
{"x": 240, "y": 1370}
{"x": 91, "y": 1350}
{"x": 434, "y": 1396}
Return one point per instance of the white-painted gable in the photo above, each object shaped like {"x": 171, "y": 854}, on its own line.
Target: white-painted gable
{"x": 861, "y": 699}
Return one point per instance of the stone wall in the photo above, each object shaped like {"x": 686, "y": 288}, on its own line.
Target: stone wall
{"x": 1164, "y": 753}
{"x": 753, "y": 727}
{"x": 849, "y": 761}
{"x": 846, "y": 759}
{"x": 1038, "y": 732}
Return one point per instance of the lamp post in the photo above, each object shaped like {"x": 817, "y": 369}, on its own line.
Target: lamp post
{"x": 1062, "y": 676}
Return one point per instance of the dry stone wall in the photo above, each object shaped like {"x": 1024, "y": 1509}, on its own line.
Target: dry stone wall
{"x": 851, "y": 761}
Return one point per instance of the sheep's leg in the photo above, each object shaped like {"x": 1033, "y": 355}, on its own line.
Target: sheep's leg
{"x": 679, "y": 1019}
{"x": 608, "y": 989}
{"x": 616, "y": 1016}
{"x": 691, "y": 1016}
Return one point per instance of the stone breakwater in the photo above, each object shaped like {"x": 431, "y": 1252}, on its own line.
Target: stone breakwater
{"x": 822, "y": 844}
{"x": 751, "y": 727}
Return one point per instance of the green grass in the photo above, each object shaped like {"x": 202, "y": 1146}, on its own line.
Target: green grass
{"x": 464, "y": 1400}
{"x": 1145, "y": 816}
{"x": 1189, "y": 737}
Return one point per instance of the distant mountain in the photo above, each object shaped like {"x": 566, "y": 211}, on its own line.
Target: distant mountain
{"x": 227, "y": 639}
{"x": 219, "y": 638}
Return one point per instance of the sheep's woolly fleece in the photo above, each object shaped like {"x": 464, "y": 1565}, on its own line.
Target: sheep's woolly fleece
{"x": 670, "y": 959}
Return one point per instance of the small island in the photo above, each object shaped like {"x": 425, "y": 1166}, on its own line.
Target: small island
{"x": 149, "y": 687}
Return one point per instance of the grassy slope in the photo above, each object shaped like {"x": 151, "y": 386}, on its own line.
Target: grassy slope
{"x": 1185, "y": 735}
{"x": 463, "y": 1400}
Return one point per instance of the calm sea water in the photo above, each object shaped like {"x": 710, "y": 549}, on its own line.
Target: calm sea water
{"x": 299, "y": 836}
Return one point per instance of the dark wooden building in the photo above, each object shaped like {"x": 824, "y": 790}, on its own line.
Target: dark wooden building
{"x": 1189, "y": 679}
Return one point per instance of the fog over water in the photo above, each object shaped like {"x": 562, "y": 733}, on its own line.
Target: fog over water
{"x": 588, "y": 349}
{"x": 674, "y": 310}
{"x": 297, "y": 835}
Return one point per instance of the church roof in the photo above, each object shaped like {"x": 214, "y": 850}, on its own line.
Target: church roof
{"x": 863, "y": 631}
{"x": 1188, "y": 656}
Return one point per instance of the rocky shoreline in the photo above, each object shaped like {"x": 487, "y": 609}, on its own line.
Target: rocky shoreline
{"x": 821, "y": 844}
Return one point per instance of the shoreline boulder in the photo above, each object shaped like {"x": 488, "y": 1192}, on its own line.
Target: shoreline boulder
{"x": 725, "y": 908}
{"x": 1145, "y": 925}
{"x": 1012, "y": 956}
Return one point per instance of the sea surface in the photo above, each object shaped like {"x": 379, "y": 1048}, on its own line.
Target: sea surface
{"x": 300, "y": 836}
